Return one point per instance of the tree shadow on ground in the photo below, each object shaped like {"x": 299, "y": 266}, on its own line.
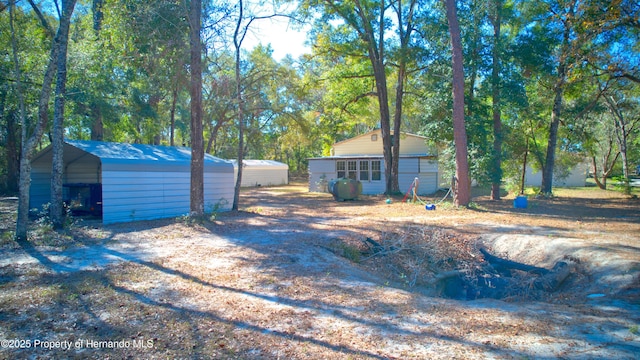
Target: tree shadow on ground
{"x": 98, "y": 326}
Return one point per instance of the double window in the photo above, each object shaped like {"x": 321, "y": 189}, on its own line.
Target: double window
{"x": 363, "y": 170}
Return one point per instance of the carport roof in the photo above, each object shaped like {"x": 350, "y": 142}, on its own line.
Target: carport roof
{"x": 128, "y": 154}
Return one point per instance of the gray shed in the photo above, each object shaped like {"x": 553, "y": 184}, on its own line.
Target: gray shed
{"x": 128, "y": 182}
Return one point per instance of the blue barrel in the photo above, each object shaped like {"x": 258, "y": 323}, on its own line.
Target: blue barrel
{"x": 520, "y": 202}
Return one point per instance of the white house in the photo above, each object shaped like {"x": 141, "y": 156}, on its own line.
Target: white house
{"x": 361, "y": 158}
{"x": 262, "y": 173}
{"x": 132, "y": 181}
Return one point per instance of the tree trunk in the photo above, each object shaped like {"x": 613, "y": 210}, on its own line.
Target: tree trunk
{"x": 376, "y": 53}
{"x": 595, "y": 174}
{"x": 11, "y": 147}
{"x": 12, "y": 144}
{"x": 463, "y": 186}
{"x": 621, "y": 132}
{"x": 385, "y": 121}
{"x": 57, "y": 167}
{"x": 172, "y": 116}
{"x": 397, "y": 121}
{"x": 546, "y": 188}
{"x": 607, "y": 166}
{"x": 197, "y": 142}
{"x": 385, "y": 127}
{"x": 405, "y": 28}
{"x": 496, "y": 171}
{"x": 97, "y": 128}
{"x": 237, "y": 41}
{"x": 29, "y": 145}
{"x": 474, "y": 45}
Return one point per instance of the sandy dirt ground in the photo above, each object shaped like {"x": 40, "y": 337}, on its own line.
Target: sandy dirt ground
{"x": 270, "y": 282}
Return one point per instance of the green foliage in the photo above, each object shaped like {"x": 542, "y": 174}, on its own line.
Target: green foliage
{"x": 350, "y": 252}
{"x": 128, "y": 81}
{"x": 214, "y": 209}
{"x": 622, "y": 184}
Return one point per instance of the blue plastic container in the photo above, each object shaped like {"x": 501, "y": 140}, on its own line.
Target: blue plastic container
{"x": 430, "y": 207}
{"x": 520, "y": 202}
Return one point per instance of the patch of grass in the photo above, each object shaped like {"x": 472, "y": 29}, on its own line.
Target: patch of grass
{"x": 283, "y": 190}
{"x": 446, "y": 205}
{"x": 351, "y": 252}
{"x": 257, "y": 210}
{"x": 475, "y": 206}
{"x": 6, "y": 237}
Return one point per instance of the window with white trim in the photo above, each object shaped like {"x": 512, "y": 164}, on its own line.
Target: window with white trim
{"x": 376, "y": 170}
{"x": 341, "y": 168}
{"x": 352, "y": 169}
{"x": 363, "y": 170}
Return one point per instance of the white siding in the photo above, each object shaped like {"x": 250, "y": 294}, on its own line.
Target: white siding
{"x": 320, "y": 172}
{"x": 407, "y": 172}
{"x": 428, "y": 165}
{"x": 374, "y": 187}
{"x": 131, "y": 196}
{"x": 83, "y": 172}
{"x": 360, "y": 145}
{"x": 577, "y": 177}
{"x": 218, "y": 191}
{"x": 408, "y": 166}
{"x": 40, "y": 190}
{"x": 429, "y": 176}
{"x": 366, "y": 145}
{"x": 428, "y": 183}
{"x": 424, "y": 169}
{"x": 262, "y": 173}
{"x": 412, "y": 145}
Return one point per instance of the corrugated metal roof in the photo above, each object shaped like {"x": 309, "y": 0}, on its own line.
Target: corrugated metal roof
{"x": 114, "y": 153}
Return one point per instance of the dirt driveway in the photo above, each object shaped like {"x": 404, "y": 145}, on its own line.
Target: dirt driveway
{"x": 280, "y": 280}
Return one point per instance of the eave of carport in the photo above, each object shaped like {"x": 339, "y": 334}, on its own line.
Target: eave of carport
{"x": 126, "y": 157}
